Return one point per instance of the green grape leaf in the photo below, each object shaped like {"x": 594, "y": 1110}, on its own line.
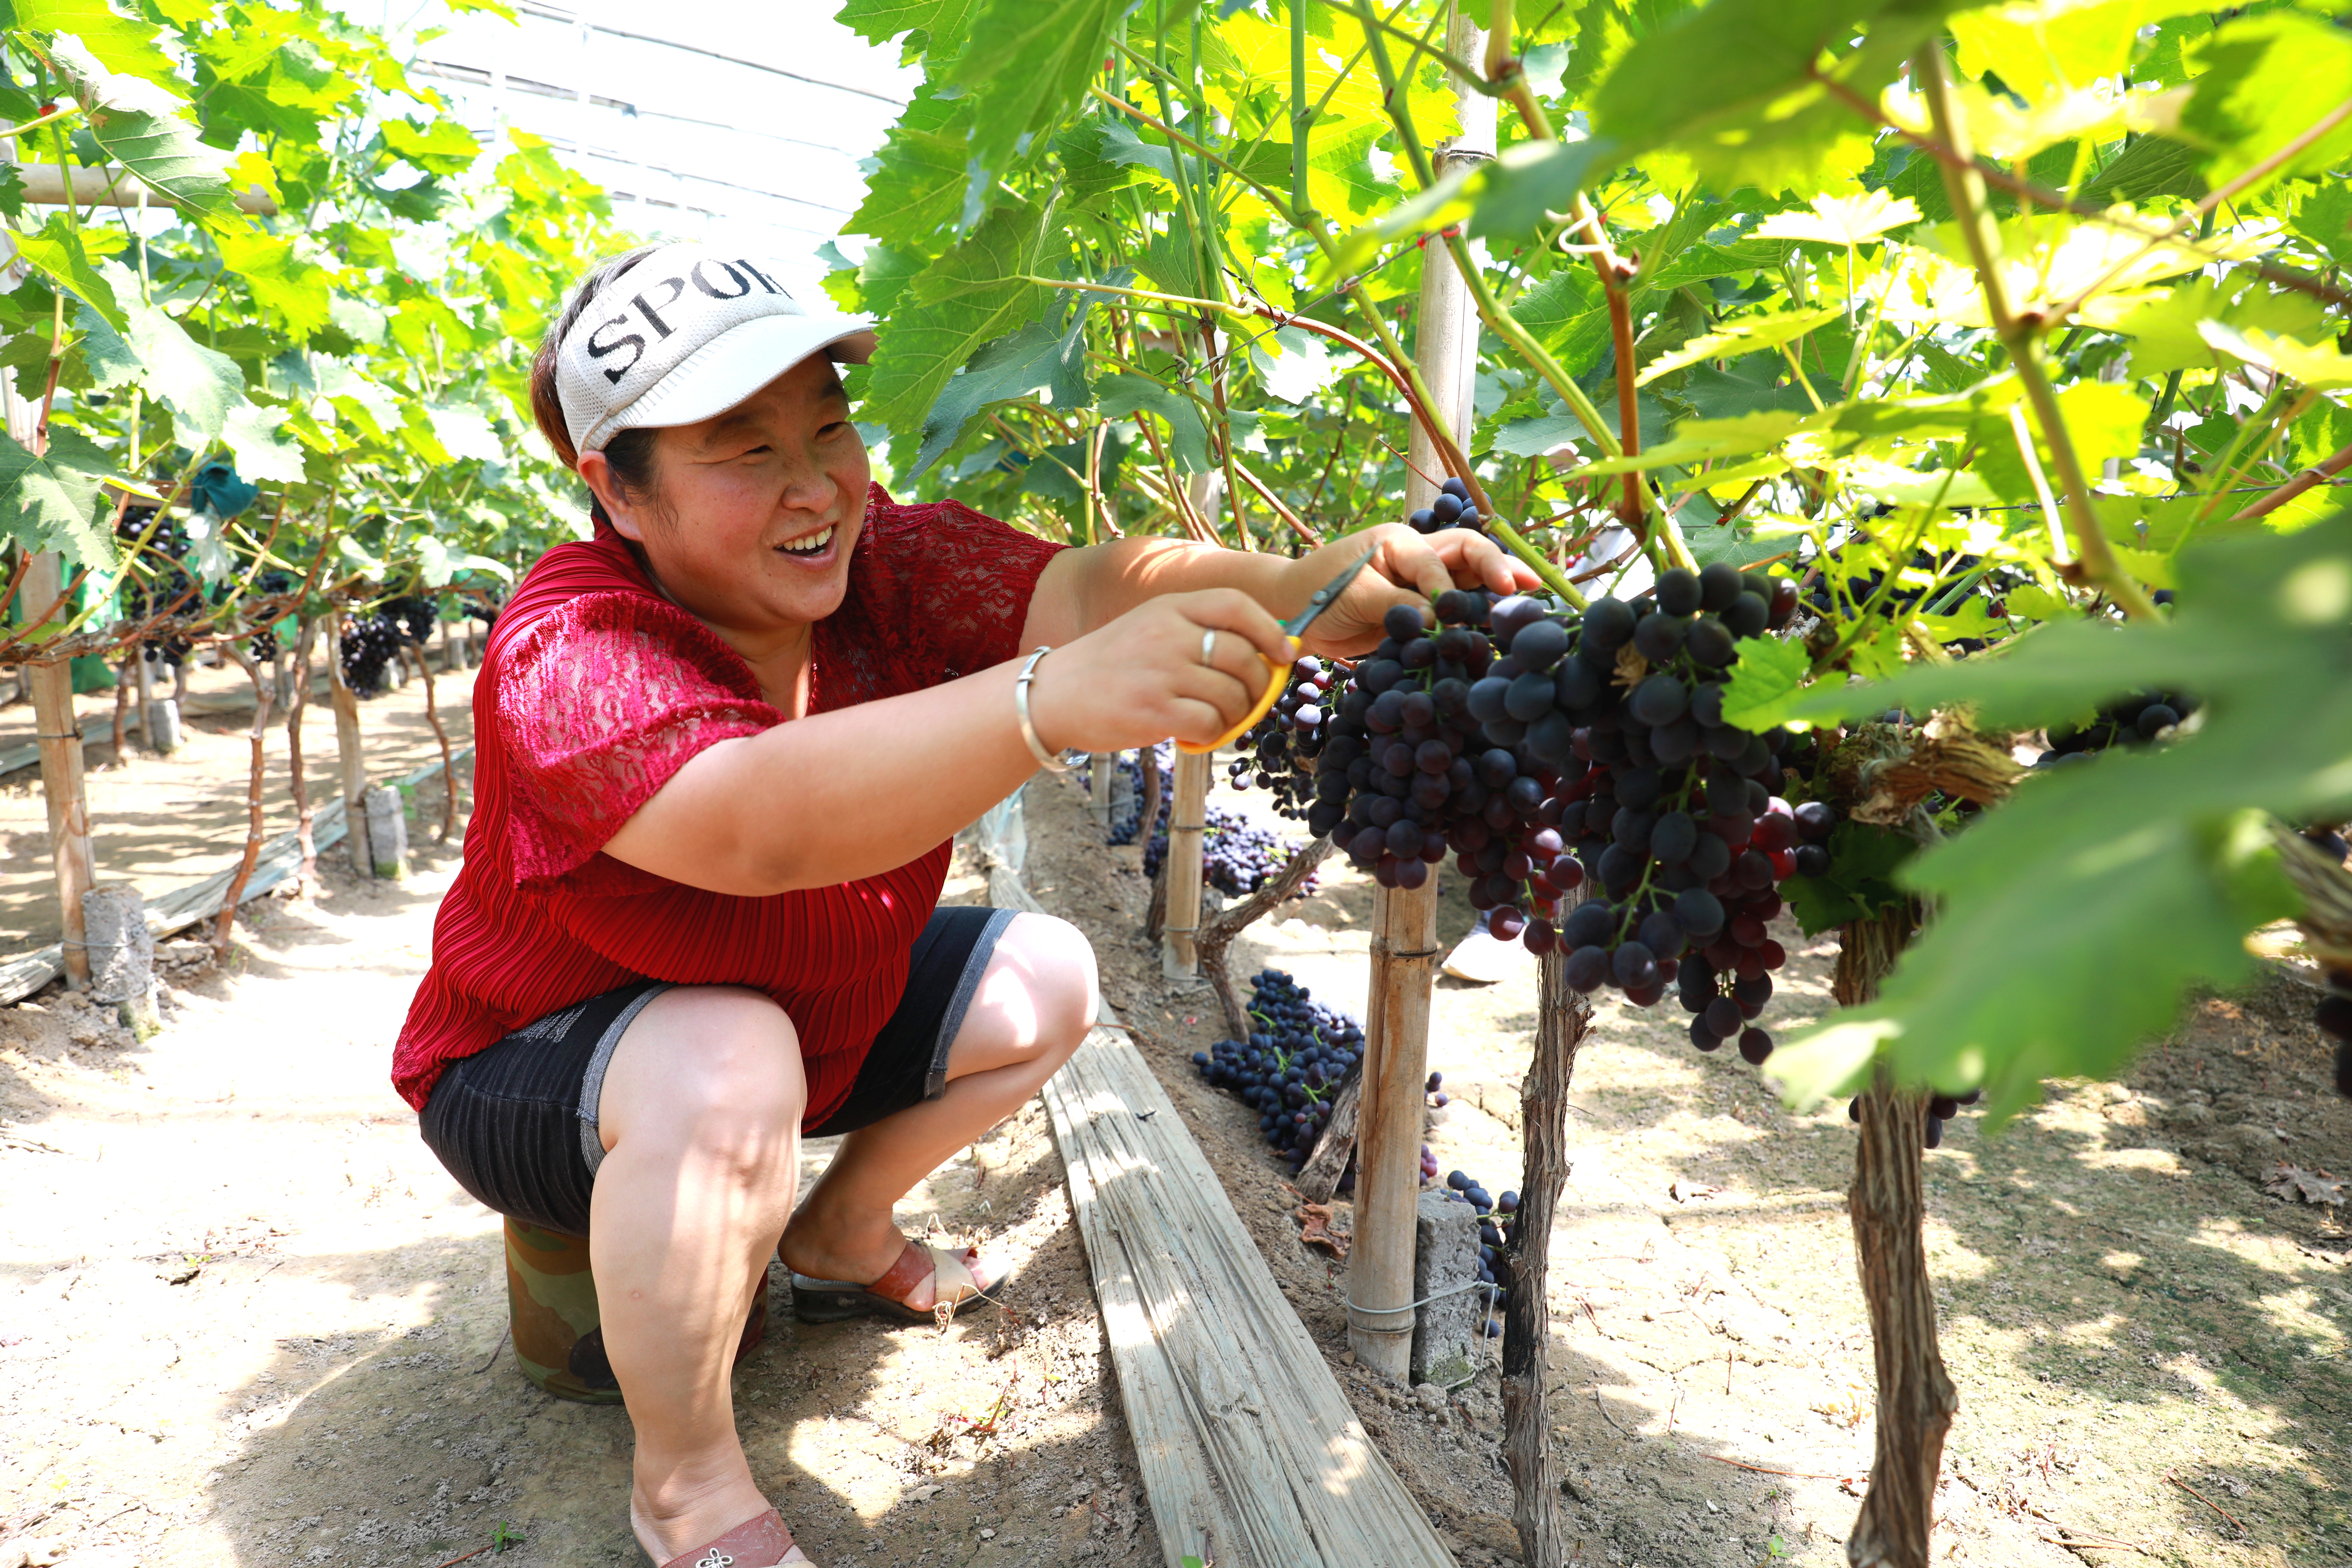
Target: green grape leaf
{"x": 1026, "y": 61}
{"x": 465, "y": 432}
{"x": 118, "y": 42}
{"x": 940, "y": 22}
{"x": 55, "y": 251}
{"x": 1740, "y": 335}
{"x": 1860, "y": 883}
{"x": 47, "y": 502}
{"x": 443, "y": 147}
{"x": 2151, "y": 166}
{"x": 2072, "y": 920}
{"x": 165, "y": 151}
{"x": 1123, "y": 395}
{"x": 2263, "y": 80}
{"x": 263, "y": 451}
{"x": 1764, "y": 682}
{"x": 1732, "y": 86}
{"x": 1036, "y": 359}
{"x": 915, "y": 193}
{"x": 276, "y": 276}
{"x": 974, "y": 294}
{"x": 2324, "y": 218}
{"x": 199, "y": 385}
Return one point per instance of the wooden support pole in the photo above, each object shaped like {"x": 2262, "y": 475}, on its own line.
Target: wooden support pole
{"x": 1187, "y": 825}
{"x": 1102, "y": 767}
{"x": 1405, "y": 921}
{"x": 59, "y": 737}
{"x": 353, "y": 763}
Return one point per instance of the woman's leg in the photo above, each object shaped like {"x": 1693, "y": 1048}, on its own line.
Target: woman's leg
{"x": 701, "y": 1120}
{"x": 1034, "y": 1004}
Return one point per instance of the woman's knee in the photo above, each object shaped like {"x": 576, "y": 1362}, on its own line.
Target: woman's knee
{"x": 714, "y": 1067}
{"x": 1058, "y": 967}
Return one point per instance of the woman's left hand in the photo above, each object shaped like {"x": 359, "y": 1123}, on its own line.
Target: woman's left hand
{"x": 1406, "y": 568}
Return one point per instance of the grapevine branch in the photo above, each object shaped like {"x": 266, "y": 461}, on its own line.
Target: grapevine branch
{"x": 1949, "y": 154}
{"x": 1964, "y": 181}
{"x": 2309, "y": 479}
{"x": 1406, "y": 381}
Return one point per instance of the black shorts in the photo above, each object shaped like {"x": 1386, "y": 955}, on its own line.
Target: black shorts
{"x": 516, "y": 1124}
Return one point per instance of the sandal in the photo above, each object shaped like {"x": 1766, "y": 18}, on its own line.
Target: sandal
{"x": 953, "y": 1283}
{"x": 762, "y": 1542}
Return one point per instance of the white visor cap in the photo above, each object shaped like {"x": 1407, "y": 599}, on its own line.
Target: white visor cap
{"x": 686, "y": 334}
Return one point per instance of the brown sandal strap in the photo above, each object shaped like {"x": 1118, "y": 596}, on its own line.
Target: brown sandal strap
{"x": 914, "y": 1266}
{"x": 759, "y": 1542}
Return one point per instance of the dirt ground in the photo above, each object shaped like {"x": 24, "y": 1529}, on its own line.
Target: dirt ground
{"x": 245, "y": 1319}
{"x": 2126, "y": 1312}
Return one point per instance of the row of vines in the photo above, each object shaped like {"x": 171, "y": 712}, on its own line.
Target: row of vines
{"x": 265, "y": 339}
{"x": 1996, "y": 352}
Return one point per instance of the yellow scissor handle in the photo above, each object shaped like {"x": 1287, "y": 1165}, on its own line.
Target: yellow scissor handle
{"x": 1277, "y": 676}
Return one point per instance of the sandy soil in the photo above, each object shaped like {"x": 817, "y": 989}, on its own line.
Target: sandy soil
{"x": 244, "y": 1319}
{"x": 2126, "y": 1311}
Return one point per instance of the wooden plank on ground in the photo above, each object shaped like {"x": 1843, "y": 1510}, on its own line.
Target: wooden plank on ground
{"x": 1249, "y": 1451}
{"x": 196, "y": 902}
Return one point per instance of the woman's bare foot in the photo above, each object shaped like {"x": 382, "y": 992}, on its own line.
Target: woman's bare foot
{"x": 676, "y": 1517}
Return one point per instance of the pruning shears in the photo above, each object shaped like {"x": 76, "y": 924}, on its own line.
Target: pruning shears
{"x": 1277, "y": 676}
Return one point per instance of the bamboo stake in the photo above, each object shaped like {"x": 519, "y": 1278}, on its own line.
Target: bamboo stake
{"x": 59, "y": 737}
{"x": 297, "y": 705}
{"x": 352, "y": 762}
{"x": 1404, "y": 935}
{"x": 1187, "y": 823}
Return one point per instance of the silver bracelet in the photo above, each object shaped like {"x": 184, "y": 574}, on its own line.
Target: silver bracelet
{"x": 1046, "y": 759}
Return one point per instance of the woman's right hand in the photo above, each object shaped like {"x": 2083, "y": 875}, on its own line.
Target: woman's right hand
{"x": 1140, "y": 679}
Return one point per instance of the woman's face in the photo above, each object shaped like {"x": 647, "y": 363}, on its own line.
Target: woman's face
{"x": 756, "y": 510}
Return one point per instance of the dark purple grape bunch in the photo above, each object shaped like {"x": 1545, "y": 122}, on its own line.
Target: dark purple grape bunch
{"x": 2137, "y": 721}
{"x": 368, "y": 642}
{"x": 1497, "y": 1213}
{"x": 2334, "y": 1015}
{"x": 1451, "y": 508}
{"x": 1280, "y": 749}
{"x": 1939, "y": 1109}
{"x": 1676, "y": 814}
{"x": 1410, "y": 774}
{"x": 1237, "y": 855}
{"x": 1290, "y": 1068}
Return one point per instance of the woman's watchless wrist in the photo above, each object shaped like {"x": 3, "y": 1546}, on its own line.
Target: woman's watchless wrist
{"x": 1052, "y": 762}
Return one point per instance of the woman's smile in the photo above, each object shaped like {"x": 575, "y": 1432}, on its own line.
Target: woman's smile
{"x": 810, "y": 549}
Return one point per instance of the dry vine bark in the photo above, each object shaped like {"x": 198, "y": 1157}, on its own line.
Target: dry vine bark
{"x": 1562, "y": 1018}
{"x": 448, "y": 768}
{"x": 1887, "y": 1204}
{"x": 1217, "y": 932}
{"x": 262, "y": 696}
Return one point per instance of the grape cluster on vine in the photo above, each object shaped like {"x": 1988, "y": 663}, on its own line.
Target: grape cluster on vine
{"x": 1281, "y": 748}
{"x": 1451, "y": 508}
{"x": 1552, "y": 753}
{"x": 2136, "y": 721}
{"x": 368, "y": 643}
{"x": 1290, "y": 1068}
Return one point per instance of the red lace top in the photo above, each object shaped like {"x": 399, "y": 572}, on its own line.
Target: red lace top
{"x": 594, "y": 690}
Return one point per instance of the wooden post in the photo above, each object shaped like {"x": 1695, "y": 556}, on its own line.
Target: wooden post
{"x": 60, "y": 736}
{"x": 1101, "y": 768}
{"x": 1187, "y": 823}
{"x": 347, "y": 745}
{"x": 1405, "y": 921}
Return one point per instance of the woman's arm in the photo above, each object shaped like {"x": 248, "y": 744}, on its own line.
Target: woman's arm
{"x": 1083, "y": 589}
{"x": 854, "y": 792}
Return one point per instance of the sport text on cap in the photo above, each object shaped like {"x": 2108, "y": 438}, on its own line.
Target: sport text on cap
{"x": 686, "y": 334}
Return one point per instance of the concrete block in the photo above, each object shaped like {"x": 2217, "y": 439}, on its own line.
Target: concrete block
{"x": 387, "y": 832}
{"x": 1446, "y": 1332}
{"x": 160, "y": 717}
{"x": 122, "y": 955}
